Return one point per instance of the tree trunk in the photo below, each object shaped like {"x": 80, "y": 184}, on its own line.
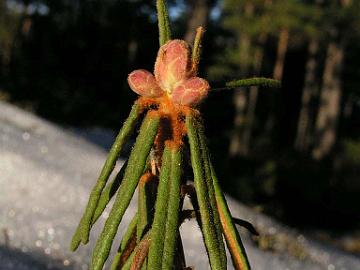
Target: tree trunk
{"x": 26, "y": 23}
{"x": 199, "y": 14}
{"x": 278, "y": 72}
{"x": 240, "y": 99}
{"x": 331, "y": 92}
{"x": 310, "y": 91}
{"x": 329, "y": 110}
{"x": 253, "y": 94}
{"x": 281, "y": 53}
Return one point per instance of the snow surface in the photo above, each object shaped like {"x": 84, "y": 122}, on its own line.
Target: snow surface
{"x": 46, "y": 174}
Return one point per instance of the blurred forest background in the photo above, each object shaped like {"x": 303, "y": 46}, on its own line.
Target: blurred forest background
{"x": 293, "y": 152}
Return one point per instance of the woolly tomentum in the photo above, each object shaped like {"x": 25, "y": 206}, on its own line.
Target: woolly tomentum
{"x": 174, "y": 76}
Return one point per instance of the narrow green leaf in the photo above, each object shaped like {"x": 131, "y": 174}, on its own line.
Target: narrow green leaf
{"x": 144, "y": 204}
{"x": 124, "y": 242}
{"x": 196, "y": 53}
{"x": 161, "y": 206}
{"x": 172, "y": 220}
{"x": 206, "y": 214}
{"x": 265, "y": 82}
{"x": 163, "y": 22}
{"x": 210, "y": 187}
{"x": 232, "y": 236}
{"x": 108, "y": 192}
{"x": 132, "y": 175}
{"x": 83, "y": 229}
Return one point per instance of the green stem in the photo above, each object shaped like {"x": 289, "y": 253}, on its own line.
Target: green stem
{"x": 163, "y": 22}
{"x": 207, "y": 221}
{"x": 172, "y": 220}
{"x": 157, "y": 230}
{"x": 132, "y": 175}
{"x": 83, "y": 229}
{"x": 124, "y": 242}
{"x": 265, "y": 82}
